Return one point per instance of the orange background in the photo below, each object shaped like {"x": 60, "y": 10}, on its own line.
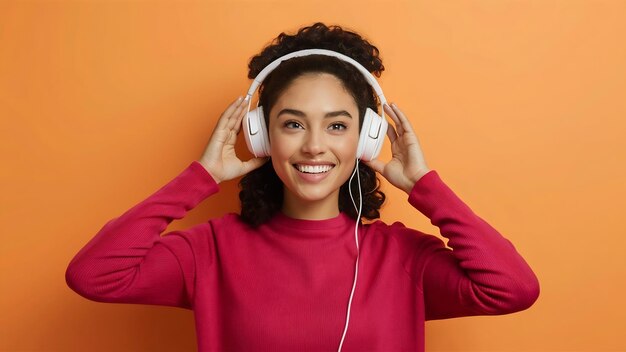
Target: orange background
{"x": 519, "y": 105}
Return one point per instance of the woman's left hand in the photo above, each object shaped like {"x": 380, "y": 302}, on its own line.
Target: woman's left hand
{"x": 407, "y": 164}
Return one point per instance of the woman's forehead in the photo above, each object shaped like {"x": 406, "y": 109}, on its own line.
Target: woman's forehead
{"x": 320, "y": 91}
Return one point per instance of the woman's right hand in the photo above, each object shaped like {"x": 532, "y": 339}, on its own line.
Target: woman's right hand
{"x": 219, "y": 157}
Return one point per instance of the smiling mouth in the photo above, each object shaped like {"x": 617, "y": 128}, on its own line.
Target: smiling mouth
{"x": 313, "y": 169}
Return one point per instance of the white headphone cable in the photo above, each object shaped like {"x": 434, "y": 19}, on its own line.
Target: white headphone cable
{"x": 356, "y": 237}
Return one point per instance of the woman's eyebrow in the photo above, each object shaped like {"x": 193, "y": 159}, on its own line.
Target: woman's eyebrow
{"x": 302, "y": 114}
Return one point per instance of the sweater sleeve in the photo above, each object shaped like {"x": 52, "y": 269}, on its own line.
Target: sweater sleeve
{"x": 482, "y": 274}
{"x": 128, "y": 261}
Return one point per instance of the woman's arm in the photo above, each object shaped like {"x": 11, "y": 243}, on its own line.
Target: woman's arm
{"x": 482, "y": 274}
{"x": 129, "y": 262}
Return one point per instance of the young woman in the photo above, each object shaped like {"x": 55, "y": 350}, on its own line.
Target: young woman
{"x": 282, "y": 275}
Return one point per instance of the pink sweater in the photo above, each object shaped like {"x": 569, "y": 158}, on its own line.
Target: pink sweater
{"x": 285, "y": 286}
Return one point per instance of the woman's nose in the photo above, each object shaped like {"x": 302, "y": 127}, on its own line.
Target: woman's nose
{"x": 314, "y": 143}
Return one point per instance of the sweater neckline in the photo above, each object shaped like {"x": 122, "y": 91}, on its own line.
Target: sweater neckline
{"x": 284, "y": 221}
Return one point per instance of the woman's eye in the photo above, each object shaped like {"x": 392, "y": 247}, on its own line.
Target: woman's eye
{"x": 338, "y": 126}
{"x": 288, "y": 124}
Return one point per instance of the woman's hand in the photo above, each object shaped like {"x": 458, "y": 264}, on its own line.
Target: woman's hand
{"x": 407, "y": 164}
{"x": 219, "y": 158}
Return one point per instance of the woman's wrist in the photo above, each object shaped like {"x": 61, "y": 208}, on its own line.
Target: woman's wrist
{"x": 208, "y": 169}
{"x": 413, "y": 180}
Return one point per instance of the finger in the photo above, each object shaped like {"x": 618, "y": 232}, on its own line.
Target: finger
{"x": 376, "y": 164}
{"x": 395, "y": 119}
{"x": 238, "y": 122}
{"x": 223, "y": 120}
{"x": 235, "y": 119}
{"x": 232, "y": 107}
{"x": 254, "y": 163}
{"x": 392, "y": 134}
{"x": 404, "y": 121}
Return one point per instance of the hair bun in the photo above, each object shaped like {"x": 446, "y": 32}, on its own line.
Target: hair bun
{"x": 319, "y": 36}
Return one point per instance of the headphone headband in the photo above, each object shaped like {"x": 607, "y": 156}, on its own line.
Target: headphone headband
{"x": 269, "y": 68}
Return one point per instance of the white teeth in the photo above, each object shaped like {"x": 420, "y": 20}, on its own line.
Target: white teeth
{"x": 313, "y": 169}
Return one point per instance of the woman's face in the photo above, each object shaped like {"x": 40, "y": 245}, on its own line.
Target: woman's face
{"x": 314, "y": 132}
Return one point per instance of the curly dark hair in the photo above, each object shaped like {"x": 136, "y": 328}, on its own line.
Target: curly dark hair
{"x": 261, "y": 192}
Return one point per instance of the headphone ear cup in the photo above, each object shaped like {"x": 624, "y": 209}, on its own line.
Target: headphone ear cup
{"x": 372, "y": 135}
{"x": 255, "y": 133}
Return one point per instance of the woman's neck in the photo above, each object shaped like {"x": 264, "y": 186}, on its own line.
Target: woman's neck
{"x": 311, "y": 210}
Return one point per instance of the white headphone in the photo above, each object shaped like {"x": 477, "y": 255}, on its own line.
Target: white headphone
{"x": 371, "y": 137}
{"x": 374, "y": 126}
